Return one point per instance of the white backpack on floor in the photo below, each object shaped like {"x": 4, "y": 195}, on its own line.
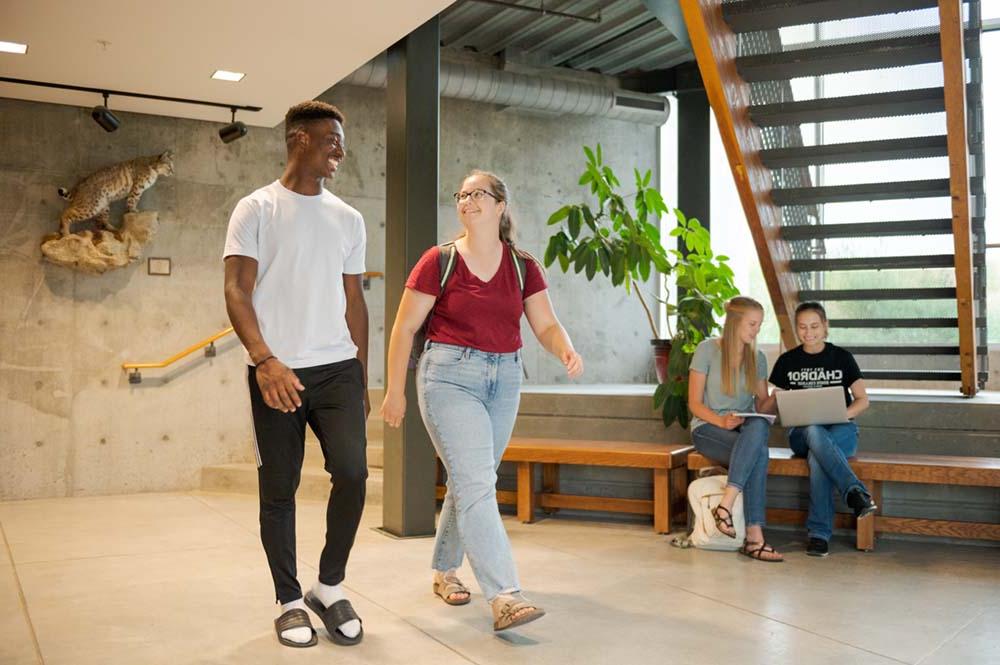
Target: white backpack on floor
{"x": 704, "y": 494}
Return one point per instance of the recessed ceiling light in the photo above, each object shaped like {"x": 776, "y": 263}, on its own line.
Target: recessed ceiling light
{"x": 13, "y": 47}
{"x": 223, "y": 75}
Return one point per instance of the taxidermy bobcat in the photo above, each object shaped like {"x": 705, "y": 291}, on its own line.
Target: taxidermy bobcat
{"x": 92, "y": 197}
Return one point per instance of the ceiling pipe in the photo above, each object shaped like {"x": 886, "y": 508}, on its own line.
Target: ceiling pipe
{"x": 534, "y": 92}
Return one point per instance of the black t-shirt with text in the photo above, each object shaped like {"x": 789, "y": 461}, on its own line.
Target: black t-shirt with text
{"x": 833, "y": 366}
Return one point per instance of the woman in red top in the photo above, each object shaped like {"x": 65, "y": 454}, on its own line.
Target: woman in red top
{"x": 469, "y": 383}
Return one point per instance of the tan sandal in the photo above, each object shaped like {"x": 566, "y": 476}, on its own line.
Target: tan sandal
{"x": 449, "y": 585}
{"x": 514, "y": 610}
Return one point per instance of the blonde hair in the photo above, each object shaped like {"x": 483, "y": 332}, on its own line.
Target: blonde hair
{"x": 732, "y": 346}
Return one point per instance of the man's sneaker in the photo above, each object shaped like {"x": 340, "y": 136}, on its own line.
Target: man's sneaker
{"x": 817, "y": 547}
{"x": 860, "y": 503}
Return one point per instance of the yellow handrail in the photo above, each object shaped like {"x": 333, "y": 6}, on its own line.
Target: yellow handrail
{"x": 177, "y": 356}
{"x": 135, "y": 377}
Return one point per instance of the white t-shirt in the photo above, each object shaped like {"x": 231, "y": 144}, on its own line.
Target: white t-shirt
{"x": 303, "y": 245}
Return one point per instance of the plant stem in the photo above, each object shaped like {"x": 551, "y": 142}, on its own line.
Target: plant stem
{"x": 649, "y": 315}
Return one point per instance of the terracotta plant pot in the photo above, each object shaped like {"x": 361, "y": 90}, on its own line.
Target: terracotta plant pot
{"x": 661, "y": 356}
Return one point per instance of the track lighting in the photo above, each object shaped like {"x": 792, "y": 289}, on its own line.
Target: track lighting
{"x": 234, "y": 130}
{"x": 110, "y": 122}
{"x": 104, "y": 117}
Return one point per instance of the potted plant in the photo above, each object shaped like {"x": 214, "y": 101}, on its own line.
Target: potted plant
{"x": 704, "y": 282}
{"x": 623, "y": 243}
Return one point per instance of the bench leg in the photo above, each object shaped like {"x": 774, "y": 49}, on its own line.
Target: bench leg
{"x": 526, "y": 497}
{"x": 866, "y": 525}
{"x": 678, "y": 493}
{"x": 550, "y": 482}
{"x": 661, "y": 500}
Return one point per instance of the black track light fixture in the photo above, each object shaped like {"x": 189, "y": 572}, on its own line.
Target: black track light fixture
{"x": 234, "y": 130}
{"x": 104, "y": 117}
{"x": 110, "y": 122}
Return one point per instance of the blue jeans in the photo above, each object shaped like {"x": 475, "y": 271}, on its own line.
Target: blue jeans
{"x": 828, "y": 447}
{"x": 468, "y": 400}
{"x": 744, "y": 451}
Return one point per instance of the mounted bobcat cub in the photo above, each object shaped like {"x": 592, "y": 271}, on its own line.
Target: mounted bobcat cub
{"x": 92, "y": 196}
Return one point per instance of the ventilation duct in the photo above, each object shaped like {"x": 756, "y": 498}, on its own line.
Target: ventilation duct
{"x": 535, "y": 92}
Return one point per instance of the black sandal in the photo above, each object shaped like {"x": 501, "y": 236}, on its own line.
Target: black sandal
{"x": 334, "y": 617}
{"x": 758, "y": 554}
{"x": 297, "y": 618}
{"x": 724, "y": 521}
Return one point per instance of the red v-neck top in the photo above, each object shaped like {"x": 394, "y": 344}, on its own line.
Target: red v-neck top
{"x": 474, "y": 313}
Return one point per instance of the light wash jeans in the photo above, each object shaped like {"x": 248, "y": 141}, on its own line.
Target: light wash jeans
{"x": 744, "y": 451}
{"x": 468, "y": 400}
{"x": 828, "y": 447}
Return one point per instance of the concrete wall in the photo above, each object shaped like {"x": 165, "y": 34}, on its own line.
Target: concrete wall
{"x": 71, "y": 424}
{"x": 540, "y": 158}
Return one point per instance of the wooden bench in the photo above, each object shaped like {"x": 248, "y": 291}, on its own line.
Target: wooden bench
{"x": 667, "y": 462}
{"x": 875, "y": 468}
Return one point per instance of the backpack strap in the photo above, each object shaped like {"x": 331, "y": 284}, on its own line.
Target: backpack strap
{"x": 446, "y": 264}
{"x": 520, "y": 267}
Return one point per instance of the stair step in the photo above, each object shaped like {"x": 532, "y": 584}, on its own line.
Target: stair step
{"x": 919, "y": 322}
{"x": 838, "y": 58}
{"x": 753, "y": 15}
{"x": 890, "y": 350}
{"x": 824, "y": 295}
{"x": 911, "y": 375}
{"x": 878, "y": 191}
{"x": 873, "y": 263}
{"x": 241, "y": 478}
{"x": 853, "y": 107}
{"x": 862, "y": 151}
{"x": 915, "y": 227}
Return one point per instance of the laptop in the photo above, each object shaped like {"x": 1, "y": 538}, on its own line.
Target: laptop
{"x": 812, "y": 406}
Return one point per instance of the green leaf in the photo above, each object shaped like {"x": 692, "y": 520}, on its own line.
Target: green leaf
{"x": 551, "y": 251}
{"x": 591, "y": 265}
{"x": 660, "y": 395}
{"x": 574, "y": 222}
{"x": 653, "y": 233}
{"x": 588, "y": 217}
{"x": 644, "y": 265}
{"x": 590, "y": 154}
{"x": 617, "y": 268}
{"x": 645, "y": 181}
{"x": 579, "y": 257}
{"x": 600, "y": 159}
{"x": 559, "y": 215}
{"x": 564, "y": 262}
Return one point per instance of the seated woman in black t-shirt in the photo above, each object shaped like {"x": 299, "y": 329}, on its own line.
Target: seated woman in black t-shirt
{"x": 816, "y": 363}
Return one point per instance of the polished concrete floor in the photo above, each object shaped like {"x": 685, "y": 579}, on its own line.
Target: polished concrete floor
{"x": 181, "y": 578}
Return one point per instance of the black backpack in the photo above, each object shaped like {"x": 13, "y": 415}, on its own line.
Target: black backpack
{"x": 447, "y": 258}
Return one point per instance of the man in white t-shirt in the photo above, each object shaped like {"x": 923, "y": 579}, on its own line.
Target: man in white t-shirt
{"x": 294, "y": 257}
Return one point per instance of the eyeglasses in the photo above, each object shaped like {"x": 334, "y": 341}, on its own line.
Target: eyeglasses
{"x": 477, "y": 195}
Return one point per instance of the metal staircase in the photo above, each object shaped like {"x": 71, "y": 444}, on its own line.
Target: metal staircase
{"x": 918, "y": 342}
